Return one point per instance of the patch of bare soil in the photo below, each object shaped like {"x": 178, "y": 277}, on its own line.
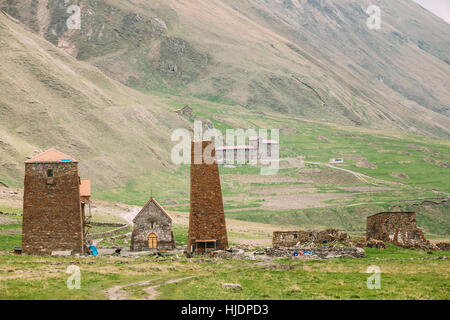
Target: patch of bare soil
{"x": 279, "y": 191}
{"x": 424, "y": 149}
{"x": 362, "y": 162}
{"x": 10, "y": 232}
{"x": 266, "y": 242}
{"x": 405, "y": 153}
{"x": 253, "y": 178}
{"x": 364, "y": 189}
{"x": 321, "y": 138}
{"x": 6, "y": 220}
{"x": 298, "y": 201}
{"x": 442, "y": 164}
{"x": 399, "y": 175}
{"x": 116, "y": 293}
{"x": 331, "y": 176}
{"x": 384, "y": 151}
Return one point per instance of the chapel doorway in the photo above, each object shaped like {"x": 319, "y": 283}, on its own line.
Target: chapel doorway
{"x": 152, "y": 241}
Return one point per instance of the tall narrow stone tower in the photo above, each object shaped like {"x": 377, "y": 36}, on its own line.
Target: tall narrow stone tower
{"x": 52, "y": 215}
{"x": 207, "y": 228}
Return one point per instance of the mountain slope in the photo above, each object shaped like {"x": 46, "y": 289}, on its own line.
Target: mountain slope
{"x": 49, "y": 99}
{"x": 314, "y": 58}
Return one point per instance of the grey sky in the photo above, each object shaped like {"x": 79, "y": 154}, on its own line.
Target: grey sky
{"x": 440, "y": 8}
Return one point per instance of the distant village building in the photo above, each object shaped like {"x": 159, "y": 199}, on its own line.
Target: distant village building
{"x": 399, "y": 228}
{"x": 336, "y": 161}
{"x": 152, "y": 228}
{"x": 232, "y": 154}
{"x": 207, "y": 227}
{"x": 53, "y": 218}
{"x": 185, "y": 111}
{"x": 257, "y": 149}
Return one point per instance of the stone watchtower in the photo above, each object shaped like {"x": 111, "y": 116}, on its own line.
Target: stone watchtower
{"x": 52, "y": 215}
{"x": 207, "y": 228}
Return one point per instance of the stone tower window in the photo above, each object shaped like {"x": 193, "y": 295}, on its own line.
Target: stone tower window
{"x": 50, "y": 173}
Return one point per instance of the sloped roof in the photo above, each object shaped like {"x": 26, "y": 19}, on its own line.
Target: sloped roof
{"x": 157, "y": 204}
{"x": 51, "y": 155}
{"x": 85, "y": 188}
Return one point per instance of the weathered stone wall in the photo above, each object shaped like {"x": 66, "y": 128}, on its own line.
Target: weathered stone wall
{"x": 444, "y": 246}
{"x": 152, "y": 220}
{"x": 288, "y": 239}
{"x": 207, "y": 217}
{"x": 322, "y": 252}
{"x": 52, "y": 218}
{"x": 397, "y": 227}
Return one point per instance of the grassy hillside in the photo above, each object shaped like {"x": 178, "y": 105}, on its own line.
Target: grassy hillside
{"x": 306, "y": 57}
{"x": 122, "y": 138}
{"x": 49, "y": 99}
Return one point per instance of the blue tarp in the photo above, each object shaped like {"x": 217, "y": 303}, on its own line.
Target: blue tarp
{"x": 93, "y": 249}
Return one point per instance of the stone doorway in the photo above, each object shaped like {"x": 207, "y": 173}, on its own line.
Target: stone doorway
{"x": 152, "y": 241}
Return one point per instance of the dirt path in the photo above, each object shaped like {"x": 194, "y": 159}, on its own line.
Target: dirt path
{"x": 116, "y": 293}
{"x": 152, "y": 293}
{"x": 358, "y": 175}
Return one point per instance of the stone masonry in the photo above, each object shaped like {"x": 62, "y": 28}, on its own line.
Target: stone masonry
{"x": 152, "y": 222}
{"x": 289, "y": 239}
{"x": 52, "y": 217}
{"x": 397, "y": 227}
{"x": 206, "y": 218}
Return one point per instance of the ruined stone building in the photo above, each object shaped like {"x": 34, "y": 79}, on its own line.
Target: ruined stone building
{"x": 257, "y": 149}
{"x": 289, "y": 239}
{"x": 207, "y": 228}
{"x": 152, "y": 228}
{"x": 399, "y": 228}
{"x": 53, "y": 219}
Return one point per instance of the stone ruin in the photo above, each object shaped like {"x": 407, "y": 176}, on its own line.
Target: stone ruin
{"x": 289, "y": 239}
{"x": 314, "y": 244}
{"x": 400, "y": 228}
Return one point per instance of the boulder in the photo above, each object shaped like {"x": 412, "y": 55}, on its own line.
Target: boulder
{"x": 232, "y": 286}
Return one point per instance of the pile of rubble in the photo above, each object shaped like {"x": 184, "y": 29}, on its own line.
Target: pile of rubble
{"x": 318, "y": 252}
{"x": 372, "y": 243}
{"x": 309, "y": 251}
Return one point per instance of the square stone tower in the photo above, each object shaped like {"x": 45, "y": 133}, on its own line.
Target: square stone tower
{"x": 207, "y": 228}
{"x": 52, "y": 215}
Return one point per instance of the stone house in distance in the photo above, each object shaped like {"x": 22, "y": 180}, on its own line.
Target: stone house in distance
{"x": 152, "y": 228}
{"x": 53, "y": 218}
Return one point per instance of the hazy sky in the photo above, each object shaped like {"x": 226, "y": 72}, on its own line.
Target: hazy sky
{"x": 440, "y": 8}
